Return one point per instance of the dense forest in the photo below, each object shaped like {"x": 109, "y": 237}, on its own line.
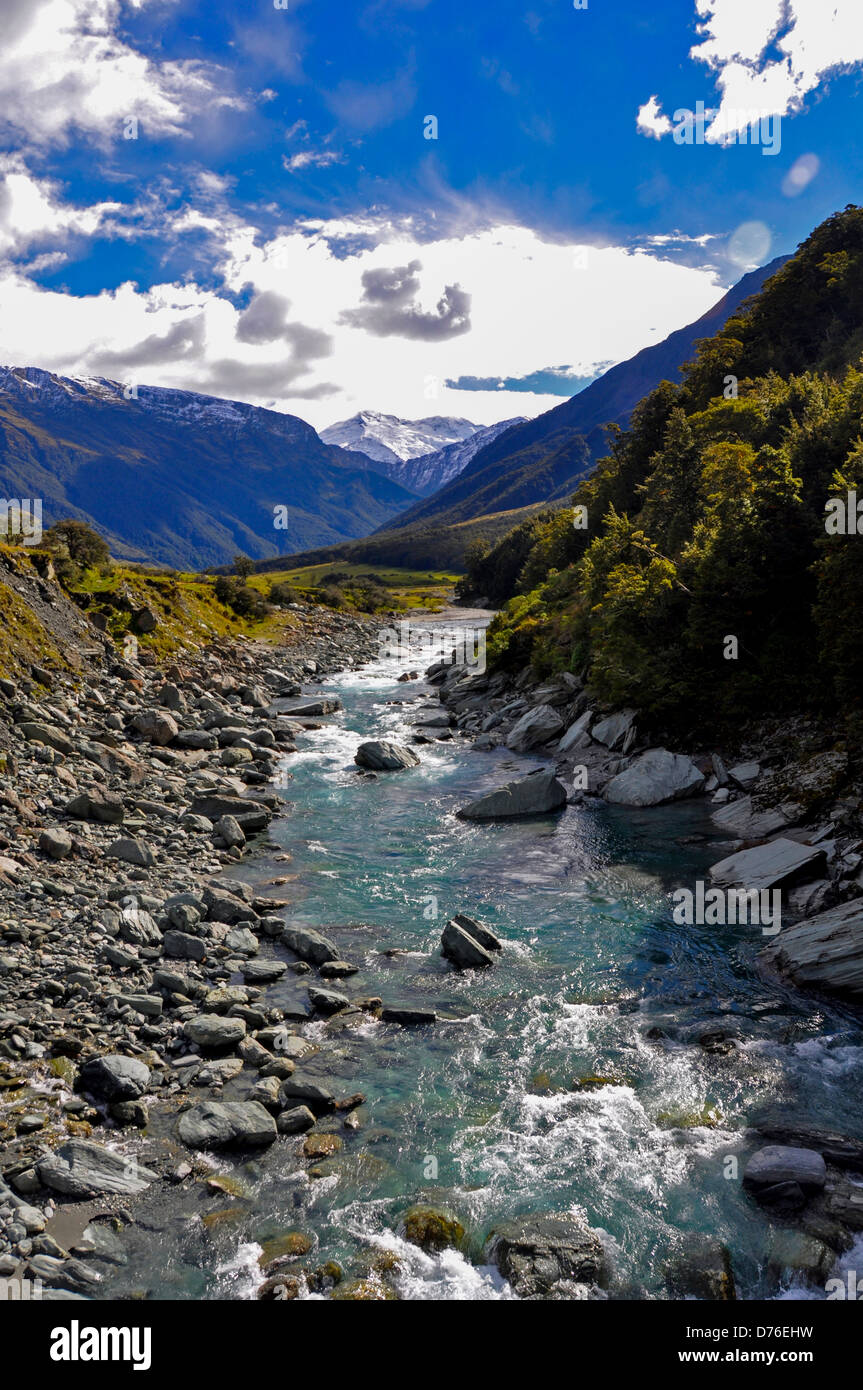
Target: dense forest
{"x": 703, "y": 572}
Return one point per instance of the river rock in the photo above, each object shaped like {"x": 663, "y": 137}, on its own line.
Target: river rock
{"x": 98, "y": 805}
{"x": 230, "y": 830}
{"x": 459, "y": 947}
{"x": 614, "y": 730}
{"x": 295, "y": 1121}
{"x": 264, "y": 971}
{"x": 536, "y": 1252}
{"x": 702, "y": 1271}
{"x": 539, "y": 725}
{"x": 226, "y": 1124}
{"x": 577, "y": 733}
{"x": 655, "y": 778}
{"x": 56, "y": 844}
{"x": 179, "y": 945}
{"x": 382, "y": 756}
{"x": 779, "y": 1164}
{"x": 538, "y": 794}
{"x": 47, "y": 734}
{"x": 740, "y": 818}
{"x": 327, "y": 1001}
{"x": 214, "y": 1031}
{"x": 81, "y": 1169}
{"x": 131, "y": 852}
{"x": 768, "y": 866}
{"x": 156, "y": 725}
{"x": 309, "y": 945}
{"x": 823, "y": 952}
{"x": 479, "y": 933}
{"x": 115, "y": 1077}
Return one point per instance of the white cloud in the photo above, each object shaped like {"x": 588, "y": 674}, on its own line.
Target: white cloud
{"x": 31, "y": 211}
{"x": 532, "y": 302}
{"x": 315, "y": 159}
{"x": 63, "y": 68}
{"x": 651, "y": 121}
{"x": 740, "y": 41}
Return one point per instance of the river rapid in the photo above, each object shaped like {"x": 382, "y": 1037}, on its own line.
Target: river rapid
{"x": 569, "y": 1077}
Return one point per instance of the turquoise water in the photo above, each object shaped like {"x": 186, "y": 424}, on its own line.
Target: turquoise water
{"x": 487, "y": 1113}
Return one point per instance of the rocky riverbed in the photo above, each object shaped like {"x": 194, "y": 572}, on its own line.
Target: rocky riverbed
{"x": 143, "y": 1062}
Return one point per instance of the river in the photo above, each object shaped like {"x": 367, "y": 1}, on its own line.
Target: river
{"x": 567, "y": 1077}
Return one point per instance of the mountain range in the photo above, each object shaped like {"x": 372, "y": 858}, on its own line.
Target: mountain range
{"x": 183, "y": 479}
{"x": 422, "y": 455}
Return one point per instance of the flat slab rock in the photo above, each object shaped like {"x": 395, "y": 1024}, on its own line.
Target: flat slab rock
{"x": 823, "y": 952}
{"x": 778, "y": 1163}
{"x": 768, "y": 866}
{"x": 658, "y": 776}
{"x": 81, "y": 1169}
{"x": 226, "y": 1124}
{"x": 538, "y": 794}
{"x": 740, "y": 818}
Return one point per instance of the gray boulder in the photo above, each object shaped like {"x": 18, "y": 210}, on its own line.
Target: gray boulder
{"x": 115, "y": 1077}
{"x": 309, "y": 945}
{"x": 226, "y": 1124}
{"x": 823, "y": 952}
{"x": 131, "y": 852}
{"x": 230, "y": 830}
{"x": 479, "y": 933}
{"x": 768, "y": 866}
{"x": 57, "y": 844}
{"x": 740, "y": 818}
{"x": 539, "y": 725}
{"x": 295, "y": 1121}
{"x": 536, "y": 1252}
{"x": 156, "y": 726}
{"x": 655, "y": 778}
{"x": 779, "y": 1164}
{"x": 462, "y": 949}
{"x": 179, "y": 945}
{"x": 577, "y": 733}
{"x": 213, "y": 1031}
{"x": 538, "y": 794}
{"x": 81, "y": 1169}
{"x": 104, "y": 806}
{"x": 614, "y": 730}
{"x": 382, "y": 756}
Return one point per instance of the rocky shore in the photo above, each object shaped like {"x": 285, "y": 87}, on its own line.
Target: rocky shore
{"x": 789, "y": 801}
{"x": 128, "y": 793}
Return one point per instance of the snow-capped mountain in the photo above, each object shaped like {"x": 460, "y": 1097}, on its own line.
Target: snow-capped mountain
{"x": 432, "y": 471}
{"x": 182, "y": 478}
{"x": 420, "y": 454}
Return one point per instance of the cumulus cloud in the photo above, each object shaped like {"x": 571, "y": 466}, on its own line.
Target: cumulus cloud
{"x": 32, "y": 211}
{"x": 532, "y": 301}
{"x": 390, "y": 307}
{"x": 63, "y": 67}
{"x": 651, "y": 121}
{"x": 740, "y": 41}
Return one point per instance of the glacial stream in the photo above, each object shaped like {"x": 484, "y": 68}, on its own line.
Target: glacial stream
{"x": 567, "y": 1077}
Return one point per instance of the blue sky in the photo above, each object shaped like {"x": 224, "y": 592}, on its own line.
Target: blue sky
{"x": 243, "y": 199}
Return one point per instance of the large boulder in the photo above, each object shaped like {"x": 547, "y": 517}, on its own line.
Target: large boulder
{"x": 536, "y": 1252}
{"x": 740, "y": 818}
{"x": 538, "y": 726}
{"x": 214, "y": 1032}
{"x": 309, "y": 945}
{"x": 615, "y": 730}
{"x": 479, "y": 933}
{"x": 81, "y": 1169}
{"x": 823, "y": 952}
{"x": 57, "y": 844}
{"x": 578, "y": 733}
{"x": 97, "y": 804}
{"x": 114, "y": 1078}
{"x": 131, "y": 852}
{"x": 538, "y": 794}
{"x": 249, "y": 814}
{"x": 654, "y": 778}
{"x": 226, "y": 1124}
{"x": 156, "y": 726}
{"x": 779, "y": 1164}
{"x": 768, "y": 866}
{"x": 382, "y": 756}
{"x": 462, "y": 949}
